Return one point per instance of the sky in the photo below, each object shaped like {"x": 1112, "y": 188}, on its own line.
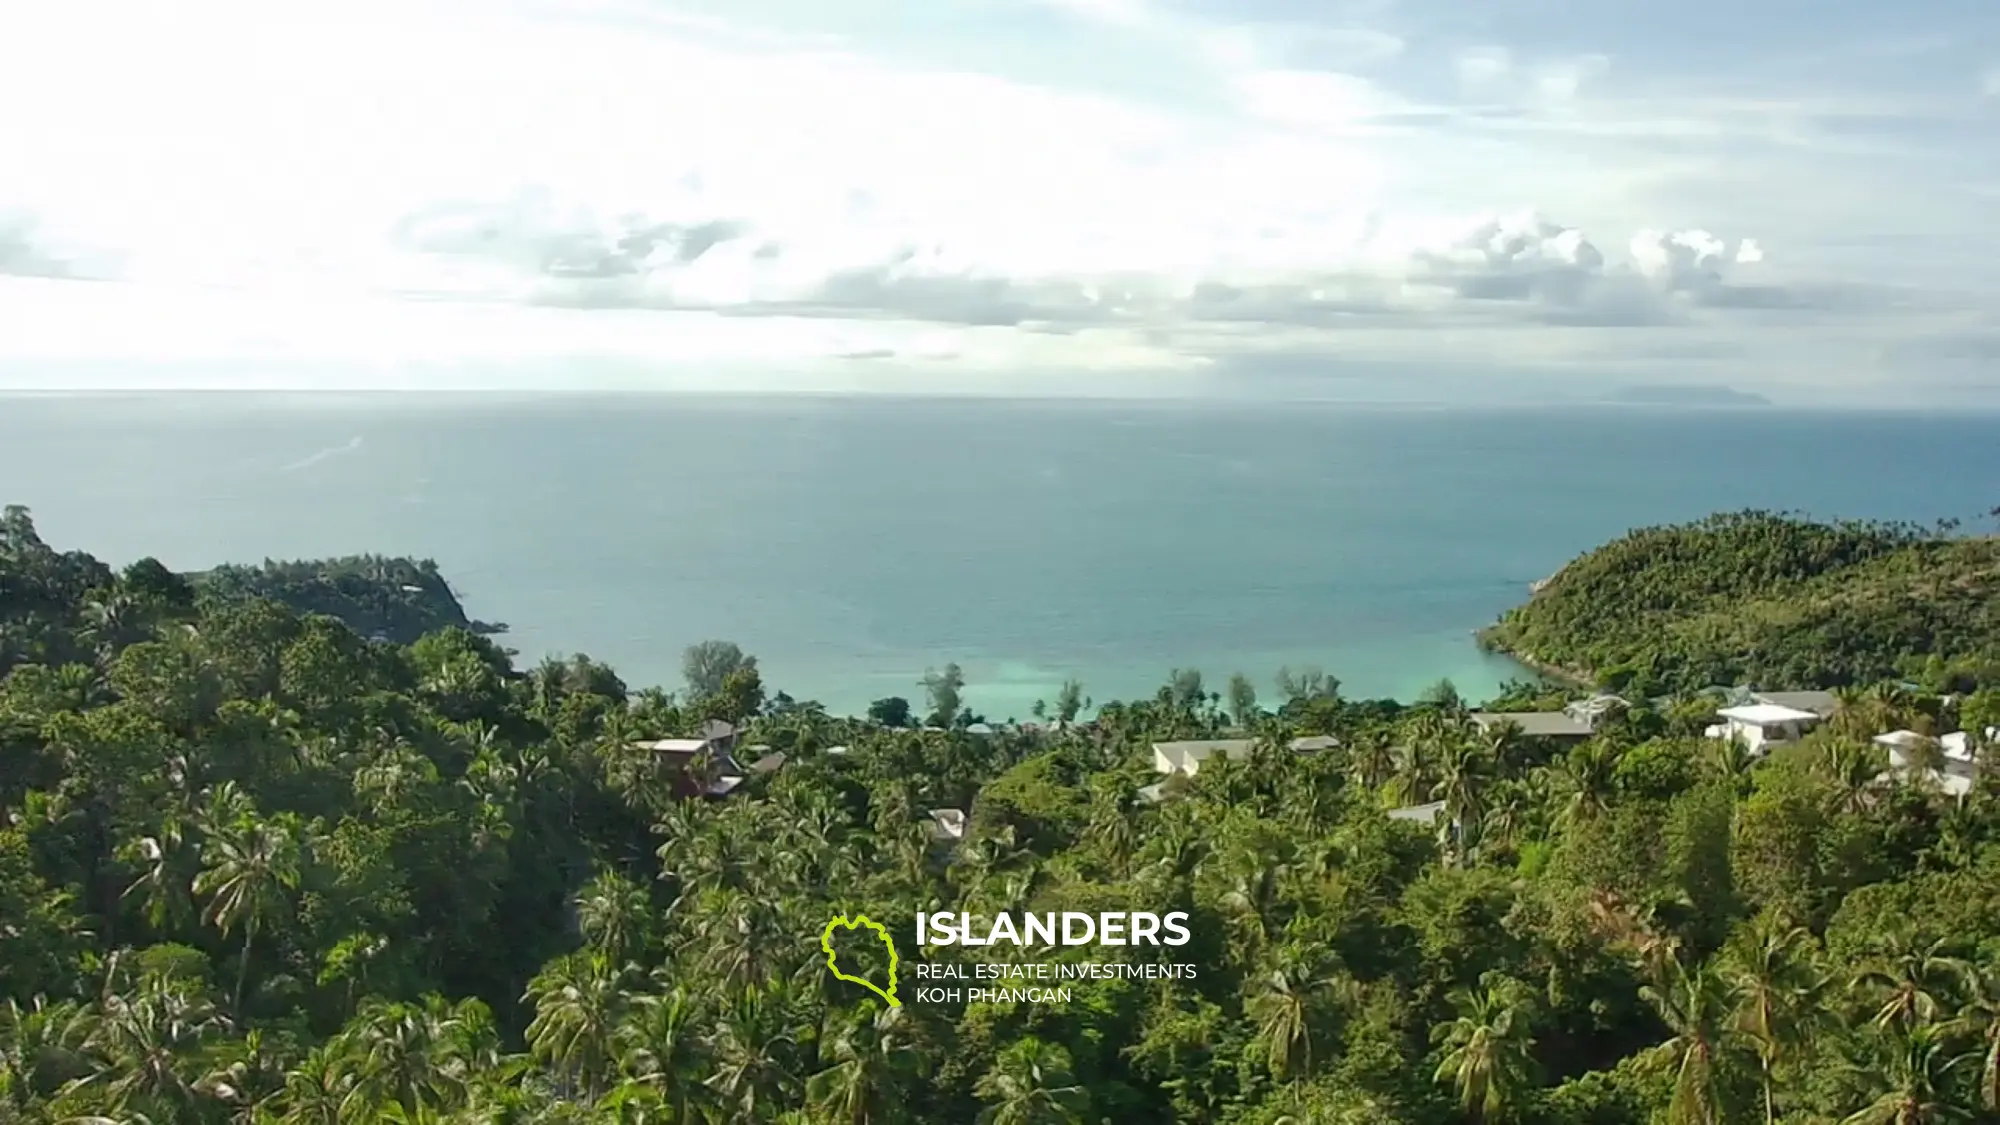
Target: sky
{"x": 1315, "y": 198}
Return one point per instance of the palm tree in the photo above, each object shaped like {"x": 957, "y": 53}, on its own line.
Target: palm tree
{"x": 1283, "y": 1005}
{"x": 660, "y": 1048}
{"x": 1914, "y": 984}
{"x": 1914, "y": 1078}
{"x": 1464, "y": 774}
{"x": 1030, "y": 1084}
{"x": 869, "y": 1061}
{"x": 1777, "y": 989}
{"x": 1586, "y": 779}
{"x": 1487, "y": 1048}
{"x": 250, "y": 868}
{"x": 1694, "y": 1004}
{"x": 754, "y": 1048}
{"x": 152, "y": 1044}
{"x": 1373, "y": 761}
{"x": 1980, "y": 1016}
{"x": 577, "y": 1002}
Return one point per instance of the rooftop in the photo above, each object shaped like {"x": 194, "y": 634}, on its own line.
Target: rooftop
{"x": 1822, "y": 704}
{"x": 948, "y": 824}
{"x": 1764, "y": 714}
{"x": 1538, "y": 724}
{"x": 675, "y": 745}
{"x": 1958, "y": 744}
{"x": 1421, "y": 814}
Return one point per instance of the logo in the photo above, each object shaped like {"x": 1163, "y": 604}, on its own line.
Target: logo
{"x": 832, "y": 962}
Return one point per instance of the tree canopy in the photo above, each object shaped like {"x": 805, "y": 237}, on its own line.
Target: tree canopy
{"x": 1773, "y": 600}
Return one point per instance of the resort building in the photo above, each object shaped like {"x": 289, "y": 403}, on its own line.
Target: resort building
{"x": 1556, "y": 726}
{"x": 1950, "y": 762}
{"x": 1186, "y": 757}
{"x": 1820, "y": 703}
{"x": 1760, "y": 726}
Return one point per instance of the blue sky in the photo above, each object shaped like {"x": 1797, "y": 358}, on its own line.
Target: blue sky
{"x": 1044, "y": 196}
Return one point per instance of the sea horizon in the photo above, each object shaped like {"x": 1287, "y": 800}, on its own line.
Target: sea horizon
{"x": 853, "y": 542}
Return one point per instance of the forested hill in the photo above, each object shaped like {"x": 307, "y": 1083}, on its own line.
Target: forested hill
{"x": 1772, "y": 600}
{"x": 395, "y": 599}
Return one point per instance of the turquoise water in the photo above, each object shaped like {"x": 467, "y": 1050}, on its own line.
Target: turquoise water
{"x": 852, "y": 543}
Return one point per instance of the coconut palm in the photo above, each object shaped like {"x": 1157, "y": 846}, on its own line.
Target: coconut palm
{"x": 1031, "y": 1084}
{"x": 1487, "y": 1056}
{"x": 1777, "y": 992}
{"x": 1913, "y": 1072}
{"x": 250, "y": 869}
{"x": 1694, "y": 1004}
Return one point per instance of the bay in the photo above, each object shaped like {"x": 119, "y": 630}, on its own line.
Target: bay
{"x": 852, "y": 543}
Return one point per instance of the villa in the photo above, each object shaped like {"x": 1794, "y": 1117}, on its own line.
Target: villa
{"x": 1556, "y": 726}
{"x": 1759, "y": 726}
{"x": 716, "y": 745}
{"x": 1186, "y": 757}
{"x": 1952, "y": 760}
{"x": 1820, "y": 703}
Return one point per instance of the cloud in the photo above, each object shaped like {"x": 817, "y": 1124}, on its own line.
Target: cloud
{"x": 1522, "y": 265}
{"x": 1164, "y": 182}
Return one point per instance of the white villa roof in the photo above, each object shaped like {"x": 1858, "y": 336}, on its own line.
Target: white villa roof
{"x": 1901, "y": 739}
{"x": 1182, "y": 754}
{"x": 950, "y": 823}
{"x": 1958, "y": 744}
{"x": 1820, "y": 703}
{"x": 1762, "y": 714}
{"x": 1423, "y": 814}
{"x": 723, "y": 785}
{"x": 677, "y": 745}
{"x": 1536, "y": 724}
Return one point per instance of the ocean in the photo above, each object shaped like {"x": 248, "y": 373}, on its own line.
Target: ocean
{"x": 853, "y": 543}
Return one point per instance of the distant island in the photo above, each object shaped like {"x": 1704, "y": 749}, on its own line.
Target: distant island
{"x": 1702, "y": 394}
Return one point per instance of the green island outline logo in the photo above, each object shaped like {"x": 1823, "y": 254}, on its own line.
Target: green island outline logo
{"x": 858, "y": 921}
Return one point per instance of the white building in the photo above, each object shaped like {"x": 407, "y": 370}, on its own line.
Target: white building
{"x": 1760, "y": 726}
{"x": 1945, "y": 762}
{"x": 1186, "y": 757}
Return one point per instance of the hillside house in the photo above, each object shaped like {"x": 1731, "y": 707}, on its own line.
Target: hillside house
{"x": 1820, "y": 703}
{"x": 712, "y": 752}
{"x": 1557, "y": 726}
{"x": 1186, "y": 757}
{"x": 1761, "y": 726}
{"x": 1950, "y": 763}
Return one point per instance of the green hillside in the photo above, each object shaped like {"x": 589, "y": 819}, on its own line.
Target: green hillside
{"x": 1769, "y": 599}
{"x": 395, "y": 599}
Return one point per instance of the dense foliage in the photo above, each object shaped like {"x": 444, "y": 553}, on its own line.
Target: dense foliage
{"x": 256, "y": 867}
{"x": 1771, "y": 600}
